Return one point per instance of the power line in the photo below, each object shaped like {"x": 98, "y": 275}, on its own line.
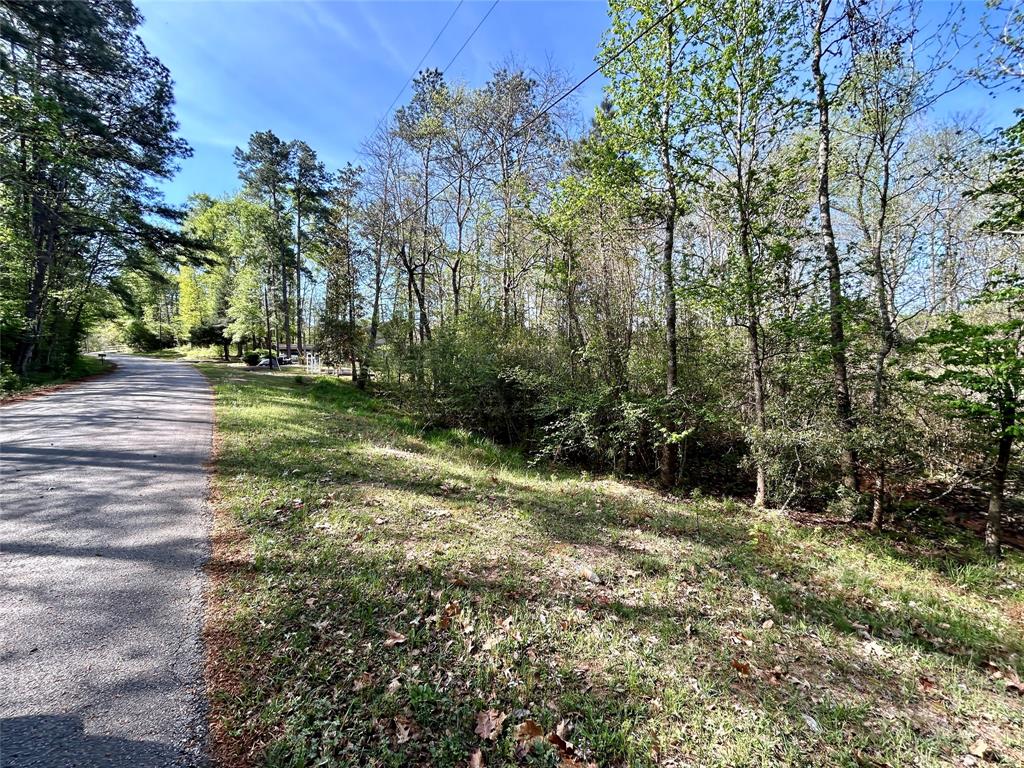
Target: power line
{"x": 471, "y": 34}
{"x": 611, "y": 59}
{"x": 423, "y": 58}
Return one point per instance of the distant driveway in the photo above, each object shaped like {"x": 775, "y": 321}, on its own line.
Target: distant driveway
{"x": 103, "y": 534}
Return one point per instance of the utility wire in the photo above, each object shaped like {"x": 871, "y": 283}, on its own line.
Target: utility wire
{"x": 471, "y": 34}
{"x": 611, "y": 59}
{"x": 423, "y": 58}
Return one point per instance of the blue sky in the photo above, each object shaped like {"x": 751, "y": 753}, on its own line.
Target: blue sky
{"x": 326, "y": 71}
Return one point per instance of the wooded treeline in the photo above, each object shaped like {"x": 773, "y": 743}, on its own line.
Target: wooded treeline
{"x": 86, "y": 129}
{"x": 771, "y": 263}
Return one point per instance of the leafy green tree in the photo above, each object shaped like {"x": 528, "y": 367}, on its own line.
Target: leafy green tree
{"x": 1004, "y": 24}
{"x": 309, "y": 190}
{"x": 651, "y": 120}
{"x": 982, "y": 380}
{"x": 829, "y": 34}
{"x": 264, "y": 167}
{"x": 337, "y": 254}
{"x": 419, "y": 125}
{"x": 245, "y": 305}
{"x": 88, "y": 125}
{"x": 190, "y": 301}
{"x": 745, "y": 101}
{"x": 1005, "y": 193}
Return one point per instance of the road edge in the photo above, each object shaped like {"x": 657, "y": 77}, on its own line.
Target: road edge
{"x": 49, "y": 389}
{"x": 230, "y": 554}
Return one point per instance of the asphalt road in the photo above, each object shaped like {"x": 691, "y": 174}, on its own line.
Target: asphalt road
{"x": 103, "y": 534}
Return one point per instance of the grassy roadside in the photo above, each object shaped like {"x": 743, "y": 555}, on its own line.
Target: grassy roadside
{"x": 195, "y": 354}
{"x": 85, "y": 367}
{"x": 388, "y": 597}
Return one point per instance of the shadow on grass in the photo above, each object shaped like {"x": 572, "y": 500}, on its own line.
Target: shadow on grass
{"x": 351, "y": 653}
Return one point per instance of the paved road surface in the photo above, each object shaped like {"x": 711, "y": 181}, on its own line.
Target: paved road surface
{"x": 103, "y": 534}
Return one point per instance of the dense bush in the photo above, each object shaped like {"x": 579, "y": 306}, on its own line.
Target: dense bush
{"x": 480, "y": 378}
{"x": 518, "y": 388}
{"x": 141, "y": 338}
{"x": 9, "y": 380}
{"x": 209, "y": 335}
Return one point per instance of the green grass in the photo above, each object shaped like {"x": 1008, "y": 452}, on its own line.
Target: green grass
{"x": 85, "y": 365}
{"x": 656, "y": 631}
{"x": 186, "y": 352}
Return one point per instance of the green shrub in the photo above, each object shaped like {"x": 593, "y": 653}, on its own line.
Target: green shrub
{"x": 139, "y": 337}
{"x": 9, "y": 380}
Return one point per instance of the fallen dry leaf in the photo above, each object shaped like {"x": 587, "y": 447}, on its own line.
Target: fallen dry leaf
{"x": 982, "y": 749}
{"x": 774, "y": 675}
{"x": 394, "y": 638}
{"x": 526, "y": 733}
{"x": 563, "y": 746}
{"x": 740, "y": 666}
{"x": 405, "y": 729}
{"x": 1013, "y": 683}
{"x": 874, "y": 648}
{"x": 562, "y": 729}
{"x": 476, "y": 760}
{"x": 488, "y": 723}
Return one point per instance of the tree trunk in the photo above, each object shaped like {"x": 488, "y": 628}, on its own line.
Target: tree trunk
{"x": 351, "y": 279}
{"x": 669, "y": 451}
{"x": 45, "y": 246}
{"x": 286, "y": 308}
{"x": 298, "y": 281}
{"x": 456, "y": 288}
{"x": 457, "y": 264}
{"x": 419, "y": 288}
{"x": 878, "y": 499}
{"x": 422, "y": 288}
{"x": 378, "y": 282}
{"x": 886, "y": 330}
{"x": 994, "y": 521}
{"x": 837, "y": 336}
{"x": 757, "y": 383}
{"x": 410, "y": 311}
{"x": 421, "y": 301}
{"x": 371, "y": 342}
{"x": 267, "y": 291}
{"x": 753, "y": 343}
